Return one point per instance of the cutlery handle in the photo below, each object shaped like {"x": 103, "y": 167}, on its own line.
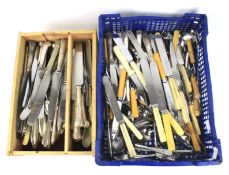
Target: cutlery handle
{"x": 195, "y": 143}
{"x": 168, "y": 132}
{"x": 78, "y": 108}
{"x": 184, "y": 108}
{"x": 122, "y": 82}
{"x": 63, "y": 45}
{"x": 196, "y": 92}
{"x": 127, "y": 139}
{"x": 138, "y": 73}
{"x": 25, "y": 140}
{"x": 53, "y": 56}
{"x": 196, "y": 104}
{"x": 190, "y": 51}
{"x": 76, "y": 135}
{"x": 105, "y": 50}
{"x": 133, "y": 102}
{"x": 132, "y": 127}
{"x": 175, "y": 93}
{"x": 159, "y": 65}
{"x": 194, "y": 119}
{"x": 176, "y": 126}
{"x": 123, "y": 60}
{"x": 84, "y": 116}
{"x": 176, "y": 35}
{"x": 32, "y": 47}
{"x": 184, "y": 75}
{"x": 160, "y": 129}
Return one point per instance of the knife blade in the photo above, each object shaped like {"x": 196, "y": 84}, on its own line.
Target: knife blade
{"x": 78, "y": 81}
{"x": 129, "y": 58}
{"x": 62, "y": 103}
{"x": 168, "y": 70}
{"x": 56, "y": 81}
{"x": 118, "y": 115}
{"x": 43, "y": 87}
{"x": 153, "y": 96}
{"x": 112, "y": 62}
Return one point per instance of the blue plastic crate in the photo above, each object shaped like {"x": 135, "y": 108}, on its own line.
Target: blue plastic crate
{"x": 197, "y": 22}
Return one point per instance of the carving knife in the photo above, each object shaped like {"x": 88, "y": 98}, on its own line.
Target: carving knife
{"x": 38, "y": 77}
{"x": 42, "y": 90}
{"x": 121, "y": 119}
{"x": 56, "y": 81}
{"x": 168, "y": 70}
{"x": 129, "y": 58}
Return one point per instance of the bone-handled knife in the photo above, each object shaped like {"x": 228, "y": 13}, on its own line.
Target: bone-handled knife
{"x": 56, "y": 81}
{"x": 180, "y": 60}
{"x": 168, "y": 70}
{"x": 121, "y": 119}
{"x": 188, "y": 123}
{"x": 129, "y": 58}
{"x": 42, "y": 90}
{"x": 153, "y": 95}
{"x": 78, "y": 80}
{"x": 157, "y": 69}
{"x": 190, "y": 51}
{"x": 131, "y": 73}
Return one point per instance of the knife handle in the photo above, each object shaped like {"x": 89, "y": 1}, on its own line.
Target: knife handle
{"x": 196, "y": 104}
{"x": 122, "y": 82}
{"x": 194, "y": 119}
{"x": 168, "y": 132}
{"x": 135, "y": 131}
{"x": 78, "y": 108}
{"x": 159, "y": 64}
{"x": 176, "y": 35}
{"x": 25, "y": 140}
{"x": 190, "y": 51}
{"x": 127, "y": 139}
{"x": 175, "y": 93}
{"x": 63, "y": 45}
{"x": 176, "y": 126}
{"x": 133, "y": 102}
{"x": 195, "y": 143}
{"x": 138, "y": 73}
{"x": 184, "y": 108}
{"x": 76, "y": 135}
{"x": 184, "y": 75}
{"x": 84, "y": 116}
{"x": 160, "y": 129}
{"x": 53, "y": 55}
{"x": 123, "y": 60}
{"x": 196, "y": 92}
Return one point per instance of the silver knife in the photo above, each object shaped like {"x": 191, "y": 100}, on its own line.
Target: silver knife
{"x": 56, "y": 81}
{"x": 62, "y": 103}
{"x": 78, "y": 80}
{"x": 118, "y": 115}
{"x": 42, "y": 90}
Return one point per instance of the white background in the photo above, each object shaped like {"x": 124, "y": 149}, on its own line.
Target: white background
{"x": 43, "y": 15}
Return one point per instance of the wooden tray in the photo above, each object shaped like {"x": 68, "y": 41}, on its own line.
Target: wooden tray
{"x": 64, "y": 145}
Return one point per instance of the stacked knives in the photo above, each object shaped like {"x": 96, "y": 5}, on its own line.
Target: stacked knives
{"x": 81, "y": 93}
{"x": 42, "y": 95}
{"x": 152, "y": 95}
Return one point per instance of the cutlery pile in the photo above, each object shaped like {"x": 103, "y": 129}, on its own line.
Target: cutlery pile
{"x": 42, "y": 95}
{"x": 152, "y": 95}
